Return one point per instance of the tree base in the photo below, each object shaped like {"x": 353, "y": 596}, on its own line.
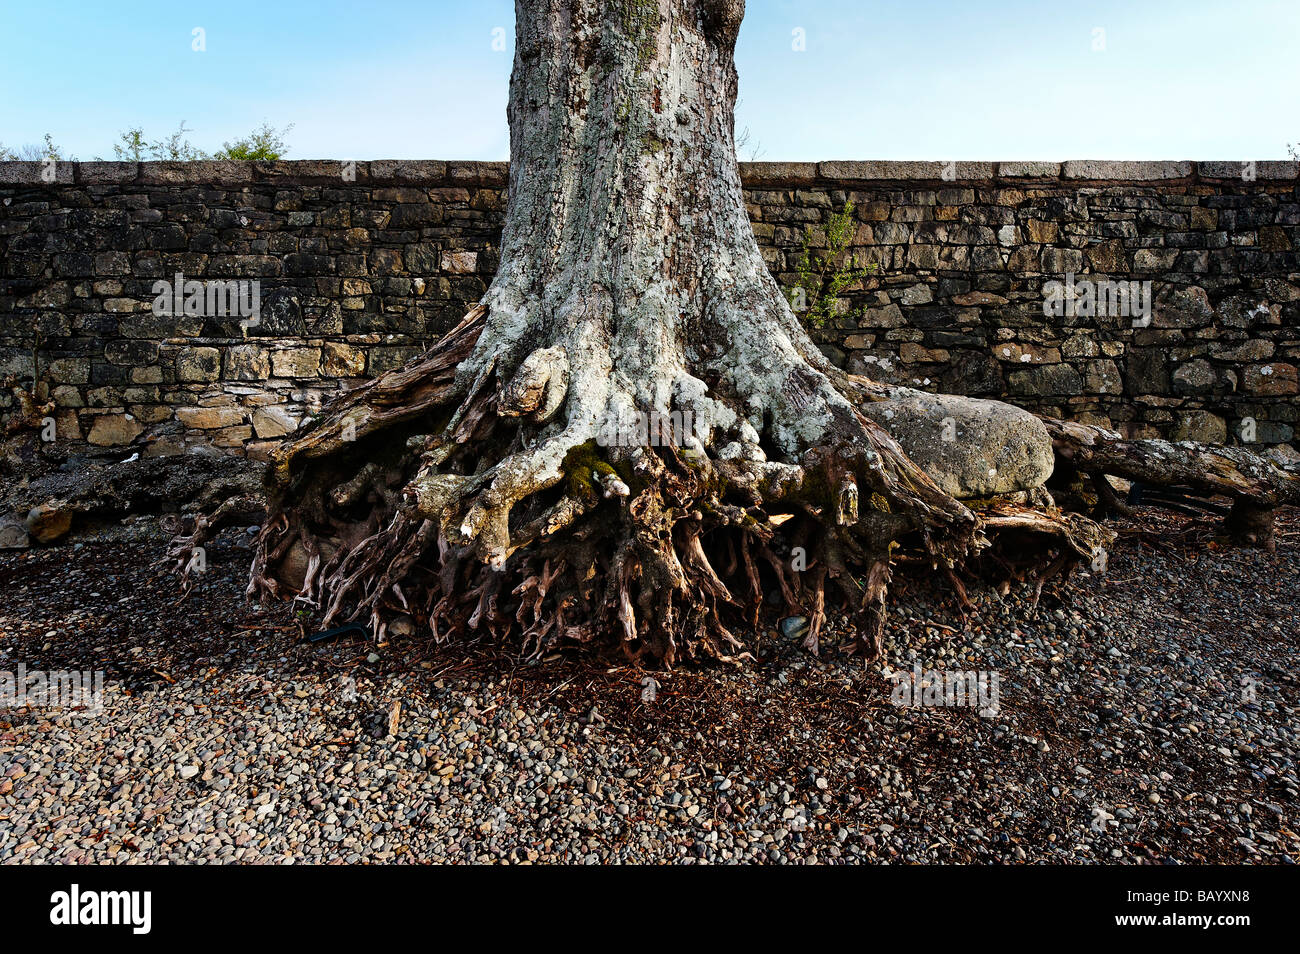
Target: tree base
{"x": 424, "y": 507}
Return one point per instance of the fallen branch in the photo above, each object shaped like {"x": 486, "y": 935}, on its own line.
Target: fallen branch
{"x": 1256, "y": 485}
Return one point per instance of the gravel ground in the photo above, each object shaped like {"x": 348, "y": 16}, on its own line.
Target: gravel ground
{"x": 1123, "y": 733}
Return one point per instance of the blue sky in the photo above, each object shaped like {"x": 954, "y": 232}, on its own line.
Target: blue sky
{"x": 925, "y": 79}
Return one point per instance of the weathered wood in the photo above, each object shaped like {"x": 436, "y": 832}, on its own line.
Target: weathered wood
{"x": 397, "y": 396}
{"x": 1255, "y": 484}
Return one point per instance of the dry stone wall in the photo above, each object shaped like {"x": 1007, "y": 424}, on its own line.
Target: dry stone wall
{"x": 359, "y": 265}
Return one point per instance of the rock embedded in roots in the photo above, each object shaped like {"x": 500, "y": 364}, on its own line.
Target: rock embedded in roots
{"x": 971, "y": 448}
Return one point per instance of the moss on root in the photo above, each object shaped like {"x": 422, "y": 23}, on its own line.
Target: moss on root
{"x": 581, "y": 466}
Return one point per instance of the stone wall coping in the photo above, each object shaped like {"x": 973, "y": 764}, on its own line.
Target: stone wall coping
{"x": 437, "y": 173}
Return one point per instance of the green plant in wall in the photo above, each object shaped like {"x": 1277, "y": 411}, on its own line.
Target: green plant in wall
{"x": 825, "y": 273}
{"x": 264, "y": 142}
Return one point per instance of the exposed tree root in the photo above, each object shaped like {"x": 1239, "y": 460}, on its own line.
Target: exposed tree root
{"x": 1255, "y": 484}
{"x": 477, "y": 514}
{"x": 185, "y": 551}
{"x": 396, "y": 506}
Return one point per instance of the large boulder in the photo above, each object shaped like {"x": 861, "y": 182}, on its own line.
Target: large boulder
{"x": 969, "y": 447}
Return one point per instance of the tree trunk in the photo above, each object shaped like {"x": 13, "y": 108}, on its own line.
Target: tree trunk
{"x": 630, "y": 439}
{"x": 612, "y": 442}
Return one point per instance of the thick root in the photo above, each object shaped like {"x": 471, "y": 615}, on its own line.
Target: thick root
{"x": 186, "y": 551}
{"x": 1256, "y": 485}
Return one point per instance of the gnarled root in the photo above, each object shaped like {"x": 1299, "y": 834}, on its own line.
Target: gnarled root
{"x": 185, "y": 551}
{"x": 470, "y": 506}
{"x": 491, "y": 518}
{"x": 1256, "y": 485}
